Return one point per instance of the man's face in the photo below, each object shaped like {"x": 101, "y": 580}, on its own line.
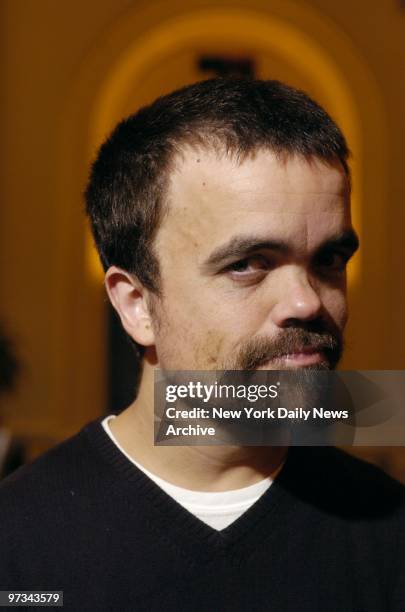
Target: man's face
{"x": 252, "y": 259}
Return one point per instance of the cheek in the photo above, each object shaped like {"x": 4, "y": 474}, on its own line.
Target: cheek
{"x": 202, "y": 325}
{"x": 186, "y": 338}
{"x": 194, "y": 305}
{"x": 335, "y": 303}
{"x": 208, "y": 350}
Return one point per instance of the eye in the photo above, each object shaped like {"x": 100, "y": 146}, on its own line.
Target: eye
{"x": 248, "y": 267}
{"x": 333, "y": 261}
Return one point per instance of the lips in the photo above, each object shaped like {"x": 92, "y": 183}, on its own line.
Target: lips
{"x": 301, "y": 356}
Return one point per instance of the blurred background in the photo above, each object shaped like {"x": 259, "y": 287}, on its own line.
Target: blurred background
{"x": 69, "y": 71}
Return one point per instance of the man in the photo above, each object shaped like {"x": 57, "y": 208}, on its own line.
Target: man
{"x": 222, "y": 217}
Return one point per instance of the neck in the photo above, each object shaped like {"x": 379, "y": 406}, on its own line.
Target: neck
{"x": 200, "y": 468}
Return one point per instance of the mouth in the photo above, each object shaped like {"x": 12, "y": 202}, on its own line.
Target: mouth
{"x": 300, "y": 358}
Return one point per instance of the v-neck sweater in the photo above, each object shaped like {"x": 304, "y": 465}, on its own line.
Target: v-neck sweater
{"x": 327, "y": 536}
{"x": 216, "y": 509}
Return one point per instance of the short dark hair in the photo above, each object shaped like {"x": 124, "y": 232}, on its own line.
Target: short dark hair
{"x": 125, "y": 197}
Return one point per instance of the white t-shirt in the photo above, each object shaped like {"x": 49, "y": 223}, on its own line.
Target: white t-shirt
{"x": 218, "y": 510}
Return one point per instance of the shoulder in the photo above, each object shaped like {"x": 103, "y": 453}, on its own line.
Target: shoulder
{"x": 344, "y": 485}
{"x": 60, "y": 473}
{"x": 358, "y": 475}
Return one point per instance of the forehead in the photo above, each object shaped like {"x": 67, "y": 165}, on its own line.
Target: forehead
{"x": 212, "y": 197}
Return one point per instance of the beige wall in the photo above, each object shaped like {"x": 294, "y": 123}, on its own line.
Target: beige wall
{"x": 71, "y": 69}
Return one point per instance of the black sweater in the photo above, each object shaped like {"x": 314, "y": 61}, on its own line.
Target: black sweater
{"x": 327, "y": 536}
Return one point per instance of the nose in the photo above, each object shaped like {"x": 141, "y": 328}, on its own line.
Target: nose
{"x": 298, "y": 300}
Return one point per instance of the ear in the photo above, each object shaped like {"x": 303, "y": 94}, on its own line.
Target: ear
{"x": 129, "y": 298}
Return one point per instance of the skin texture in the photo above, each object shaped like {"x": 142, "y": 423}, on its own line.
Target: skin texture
{"x": 279, "y": 302}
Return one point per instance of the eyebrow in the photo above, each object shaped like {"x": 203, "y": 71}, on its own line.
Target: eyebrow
{"x": 242, "y": 246}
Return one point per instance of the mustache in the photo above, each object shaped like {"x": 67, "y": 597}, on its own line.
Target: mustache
{"x": 260, "y": 350}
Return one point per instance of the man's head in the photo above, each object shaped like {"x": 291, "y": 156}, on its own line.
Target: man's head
{"x": 221, "y": 215}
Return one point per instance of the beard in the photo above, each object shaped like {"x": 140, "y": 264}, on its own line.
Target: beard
{"x": 261, "y": 350}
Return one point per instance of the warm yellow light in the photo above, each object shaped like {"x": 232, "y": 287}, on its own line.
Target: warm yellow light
{"x": 238, "y": 27}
